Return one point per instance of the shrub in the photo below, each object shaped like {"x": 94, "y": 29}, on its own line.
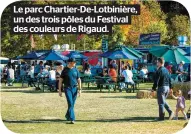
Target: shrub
{"x": 183, "y": 86}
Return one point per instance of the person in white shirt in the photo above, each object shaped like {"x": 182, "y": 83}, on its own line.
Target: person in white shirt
{"x": 52, "y": 79}
{"x": 31, "y": 77}
{"x": 87, "y": 71}
{"x": 143, "y": 73}
{"x": 31, "y": 72}
{"x": 52, "y": 75}
{"x": 10, "y": 76}
{"x": 128, "y": 76}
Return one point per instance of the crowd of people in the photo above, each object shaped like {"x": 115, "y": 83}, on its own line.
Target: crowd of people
{"x": 182, "y": 73}
{"x": 12, "y": 73}
{"x": 25, "y": 71}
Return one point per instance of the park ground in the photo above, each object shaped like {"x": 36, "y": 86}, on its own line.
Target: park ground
{"x": 25, "y": 110}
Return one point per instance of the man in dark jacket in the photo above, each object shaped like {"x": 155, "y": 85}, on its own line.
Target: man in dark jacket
{"x": 162, "y": 82}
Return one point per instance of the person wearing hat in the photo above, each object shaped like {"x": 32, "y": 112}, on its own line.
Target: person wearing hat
{"x": 180, "y": 67}
{"x": 180, "y": 71}
{"x": 70, "y": 78}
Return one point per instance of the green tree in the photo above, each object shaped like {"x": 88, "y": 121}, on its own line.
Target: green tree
{"x": 179, "y": 25}
{"x": 11, "y": 45}
{"x": 118, "y": 36}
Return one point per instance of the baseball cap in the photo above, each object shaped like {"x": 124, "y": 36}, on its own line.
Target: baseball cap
{"x": 47, "y": 66}
{"x": 72, "y": 60}
{"x": 182, "y": 62}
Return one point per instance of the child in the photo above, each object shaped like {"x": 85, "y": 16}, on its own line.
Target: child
{"x": 180, "y": 106}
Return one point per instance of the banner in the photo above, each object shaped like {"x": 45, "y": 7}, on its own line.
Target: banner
{"x": 104, "y": 45}
{"x": 150, "y": 39}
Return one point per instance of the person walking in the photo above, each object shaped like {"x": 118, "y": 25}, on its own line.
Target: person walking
{"x": 162, "y": 81}
{"x": 70, "y": 78}
{"x": 180, "y": 106}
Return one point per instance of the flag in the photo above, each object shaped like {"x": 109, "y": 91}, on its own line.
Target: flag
{"x": 55, "y": 37}
{"x": 80, "y": 36}
{"x": 32, "y": 41}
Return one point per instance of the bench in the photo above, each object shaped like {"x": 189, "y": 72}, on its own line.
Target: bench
{"x": 114, "y": 84}
{"x": 43, "y": 82}
{"x": 88, "y": 79}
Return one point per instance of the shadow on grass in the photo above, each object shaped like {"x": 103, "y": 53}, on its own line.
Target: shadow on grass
{"x": 12, "y": 87}
{"x": 33, "y": 91}
{"x": 23, "y": 91}
{"x": 28, "y": 90}
{"x": 124, "y": 97}
{"x": 130, "y": 119}
{"x": 98, "y": 91}
{"x": 104, "y": 91}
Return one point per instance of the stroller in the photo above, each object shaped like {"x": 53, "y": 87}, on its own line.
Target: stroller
{"x": 188, "y": 113}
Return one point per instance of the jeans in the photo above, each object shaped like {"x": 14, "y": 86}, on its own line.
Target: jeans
{"x": 31, "y": 82}
{"x": 71, "y": 95}
{"x": 125, "y": 84}
{"x": 10, "y": 81}
{"x": 52, "y": 82}
{"x": 162, "y": 94}
{"x": 180, "y": 78}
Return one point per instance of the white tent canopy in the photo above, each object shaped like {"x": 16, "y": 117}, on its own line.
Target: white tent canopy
{"x": 4, "y": 58}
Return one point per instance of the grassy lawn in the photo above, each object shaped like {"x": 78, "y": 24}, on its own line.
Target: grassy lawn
{"x": 29, "y": 111}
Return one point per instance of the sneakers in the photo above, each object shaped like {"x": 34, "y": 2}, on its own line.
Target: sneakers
{"x": 171, "y": 116}
{"x": 72, "y": 122}
{"x": 185, "y": 118}
{"x": 162, "y": 117}
{"x": 175, "y": 118}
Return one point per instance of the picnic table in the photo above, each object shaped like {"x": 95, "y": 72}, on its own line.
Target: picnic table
{"x": 136, "y": 80}
{"x": 42, "y": 81}
{"x": 174, "y": 77}
{"x": 88, "y": 79}
{"x": 107, "y": 82}
{"x": 121, "y": 79}
{"x": 104, "y": 81}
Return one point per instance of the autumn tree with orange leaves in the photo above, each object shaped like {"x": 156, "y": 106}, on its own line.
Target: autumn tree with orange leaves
{"x": 151, "y": 20}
